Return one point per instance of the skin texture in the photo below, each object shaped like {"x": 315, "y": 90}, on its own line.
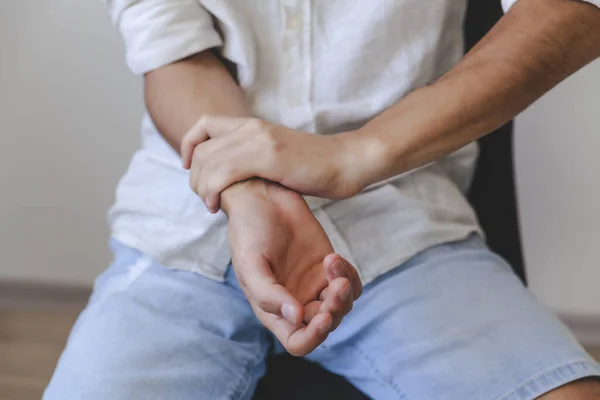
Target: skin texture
{"x": 271, "y": 256}
{"x": 272, "y": 226}
{"x": 534, "y": 46}
{"x": 241, "y": 148}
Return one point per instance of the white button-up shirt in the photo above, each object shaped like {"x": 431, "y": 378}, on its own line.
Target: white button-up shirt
{"x": 319, "y": 66}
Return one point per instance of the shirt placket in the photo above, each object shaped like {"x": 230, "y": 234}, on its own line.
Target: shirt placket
{"x": 296, "y": 65}
{"x": 296, "y": 93}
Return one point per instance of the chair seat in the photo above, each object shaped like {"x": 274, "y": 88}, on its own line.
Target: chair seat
{"x": 294, "y": 378}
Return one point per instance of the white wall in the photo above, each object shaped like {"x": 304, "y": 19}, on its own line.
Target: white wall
{"x": 558, "y": 177}
{"x": 69, "y": 116}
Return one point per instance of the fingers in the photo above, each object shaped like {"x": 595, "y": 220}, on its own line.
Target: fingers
{"x": 312, "y": 309}
{"x": 309, "y": 337}
{"x": 299, "y": 329}
{"x": 279, "y": 311}
{"x": 262, "y": 289}
{"x": 321, "y": 317}
{"x": 214, "y": 169}
{"x": 206, "y": 128}
{"x": 338, "y": 297}
{"x": 226, "y": 159}
{"x": 197, "y": 173}
{"x": 336, "y": 266}
{"x": 234, "y": 163}
{"x": 299, "y": 339}
{"x": 337, "y": 300}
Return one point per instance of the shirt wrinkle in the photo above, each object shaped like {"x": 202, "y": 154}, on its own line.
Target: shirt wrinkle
{"x": 318, "y": 66}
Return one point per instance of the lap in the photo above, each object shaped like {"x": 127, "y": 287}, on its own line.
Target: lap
{"x": 453, "y": 323}
{"x": 153, "y": 333}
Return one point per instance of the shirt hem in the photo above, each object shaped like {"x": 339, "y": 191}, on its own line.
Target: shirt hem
{"x": 399, "y": 261}
{"x": 135, "y": 243}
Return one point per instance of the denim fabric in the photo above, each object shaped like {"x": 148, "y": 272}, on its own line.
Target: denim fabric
{"x": 452, "y": 323}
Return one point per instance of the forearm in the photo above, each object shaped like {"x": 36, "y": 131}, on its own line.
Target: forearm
{"x": 178, "y": 94}
{"x": 534, "y": 46}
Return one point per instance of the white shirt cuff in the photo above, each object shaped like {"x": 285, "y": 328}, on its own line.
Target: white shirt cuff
{"x": 507, "y": 4}
{"x": 159, "y": 32}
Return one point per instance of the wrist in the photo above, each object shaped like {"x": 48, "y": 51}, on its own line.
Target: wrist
{"x": 399, "y": 139}
{"x": 242, "y": 197}
{"x": 241, "y": 193}
{"x": 365, "y": 157}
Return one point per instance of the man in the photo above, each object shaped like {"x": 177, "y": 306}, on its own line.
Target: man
{"x": 383, "y": 82}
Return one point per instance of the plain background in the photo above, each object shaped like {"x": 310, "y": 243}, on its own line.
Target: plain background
{"x": 69, "y": 121}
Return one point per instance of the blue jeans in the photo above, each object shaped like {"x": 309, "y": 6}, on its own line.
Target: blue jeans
{"x": 452, "y": 323}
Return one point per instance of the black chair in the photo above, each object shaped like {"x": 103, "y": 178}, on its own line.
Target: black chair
{"x": 492, "y": 195}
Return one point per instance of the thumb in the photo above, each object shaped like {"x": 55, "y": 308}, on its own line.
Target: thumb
{"x": 208, "y": 126}
{"x": 269, "y": 295}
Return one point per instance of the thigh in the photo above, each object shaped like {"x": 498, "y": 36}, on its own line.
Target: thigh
{"x": 453, "y": 323}
{"x": 153, "y": 333}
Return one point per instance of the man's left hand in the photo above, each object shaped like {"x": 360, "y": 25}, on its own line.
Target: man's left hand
{"x": 328, "y": 166}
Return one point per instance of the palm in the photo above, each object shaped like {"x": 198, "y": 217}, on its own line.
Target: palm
{"x": 283, "y": 260}
{"x": 279, "y": 232}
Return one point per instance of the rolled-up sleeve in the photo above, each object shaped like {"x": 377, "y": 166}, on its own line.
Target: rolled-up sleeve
{"x": 507, "y": 4}
{"x": 159, "y": 32}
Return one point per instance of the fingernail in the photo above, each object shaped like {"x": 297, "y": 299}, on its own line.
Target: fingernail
{"x": 289, "y": 313}
{"x": 338, "y": 269}
{"x": 344, "y": 293}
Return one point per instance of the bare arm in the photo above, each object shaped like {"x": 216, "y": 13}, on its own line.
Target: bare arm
{"x": 281, "y": 254}
{"x": 178, "y": 94}
{"x": 536, "y": 45}
{"x": 283, "y": 259}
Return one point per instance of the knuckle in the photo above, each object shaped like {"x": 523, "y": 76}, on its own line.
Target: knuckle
{"x": 221, "y": 180}
{"x": 349, "y": 308}
{"x": 186, "y": 142}
{"x": 296, "y": 351}
{"x": 197, "y": 154}
{"x": 213, "y": 187}
{"x": 200, "y": 190}
{"x": 202, "y": 121}
{"x": 262, "y": 303}
{"x": 210, "y": 187}
{"x": 358, "y": 293}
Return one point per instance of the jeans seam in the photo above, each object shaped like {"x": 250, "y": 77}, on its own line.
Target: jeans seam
{"x": 375, "y": 371}
{"x": 241, "y": 386}
{"x": 547, "y": 372}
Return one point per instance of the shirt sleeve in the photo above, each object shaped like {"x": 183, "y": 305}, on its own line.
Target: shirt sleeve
{"x": 159, "y": 32}
{"x": 507, "y": 4}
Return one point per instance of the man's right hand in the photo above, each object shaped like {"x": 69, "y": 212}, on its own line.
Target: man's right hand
{"x": 278, "y": 247}
{"x": 298, "y": 288}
